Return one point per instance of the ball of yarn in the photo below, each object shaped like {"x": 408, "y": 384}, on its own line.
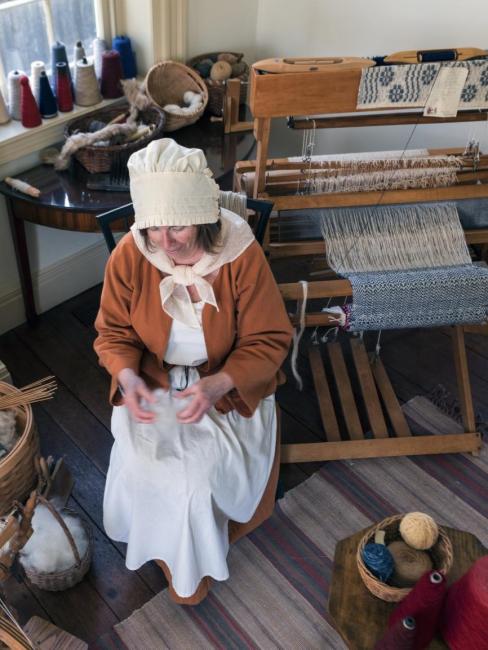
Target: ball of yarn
{"x": 203, "y": 68}
{"x": 238, "y": 68}
{"x": 419, "y": 530}
{"x": 410, "y": 564}
{"x": 220, "y": 71}
{"x": 227, "y": 56}
{"x": 379, "y": 560}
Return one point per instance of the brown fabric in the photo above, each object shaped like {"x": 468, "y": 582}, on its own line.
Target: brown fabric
{"x": 236, "y": 529}
{"x": 248, "y": 337}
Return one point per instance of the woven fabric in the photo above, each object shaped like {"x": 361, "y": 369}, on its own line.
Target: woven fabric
{"x": 419, "y": 298}
{"x": 409, "y": 86}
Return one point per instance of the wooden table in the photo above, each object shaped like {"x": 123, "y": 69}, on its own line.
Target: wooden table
{"x": 66, "y": 203}
{"x": 360, "y": 617}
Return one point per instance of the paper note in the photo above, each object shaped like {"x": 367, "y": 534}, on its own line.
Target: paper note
{"x": 443, "y": 100}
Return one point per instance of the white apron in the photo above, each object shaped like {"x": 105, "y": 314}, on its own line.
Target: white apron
{"x": 172, "y": 488}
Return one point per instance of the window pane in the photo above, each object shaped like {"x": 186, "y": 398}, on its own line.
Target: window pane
{"x": 74, "y": 20}
{"x": 23, "y": 37}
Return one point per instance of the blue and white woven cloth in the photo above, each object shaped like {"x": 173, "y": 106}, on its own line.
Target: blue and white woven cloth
{"x": 419, "y": 298}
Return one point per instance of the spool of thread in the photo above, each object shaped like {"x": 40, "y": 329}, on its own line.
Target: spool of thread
{"x": 400, "y": 636}
{"x": 47, "y": 102}
{"x": 13, "y": 90}
{"x": 123, "y": 46}
{"x": 63, "y": 88}
{"x": 465, "y": 612}
{"x": 110, "y": 85}
{"x": 36, "y": 68}
{"x": 424, "y": 604}
{"x": 87, "y": 92}
{"x": 78, "y": 54}
{"x": 28, "y": 108}
{"x": 419, "y": 530}
{"x": 4, "y": 116}
{"x": 58, "y": 55}
{"x": 99, "y": 47}
{"x": 410, "y": 564}
{"x": 220, "y": 71}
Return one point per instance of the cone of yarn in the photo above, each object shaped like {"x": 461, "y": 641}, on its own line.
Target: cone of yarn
{"x": 419, "y": 530}
{"x": 58, "y": 55}
{"x": 28, "y": 108}
{"x": 47, "y": 102}
{"x": 424, "y": 604}
{"x": 78, "y": 53}
{"x": 123, "y": 46}
{"x": 110, "y": 85}
{"x": 87, "y": 92}
{"x": 464, "y": 617}
{"x": 4, "y": 116}
{"x": 99, "y": 47}
{"x": 409, "y": 564}
{"x": 36, "y": 68}
{"x": 63, "y": 88}
{"x": 13, "y": 90}
{"x": 400, "y": 636}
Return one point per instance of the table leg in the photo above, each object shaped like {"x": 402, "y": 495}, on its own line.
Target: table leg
{"x": 17, "y": 228}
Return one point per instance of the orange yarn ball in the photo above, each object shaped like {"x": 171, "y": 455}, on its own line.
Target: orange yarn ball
{"x": 419, "y": 530}
{"x": 220, "y": 71}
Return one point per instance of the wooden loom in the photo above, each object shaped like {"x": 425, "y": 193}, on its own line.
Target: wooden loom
{"x": 333, "y": 90}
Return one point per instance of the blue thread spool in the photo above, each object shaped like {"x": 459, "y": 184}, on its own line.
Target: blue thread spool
{"x": 123, "y": 46}
{"x": 47, "y": 102}
{"x": 378, "y": 560}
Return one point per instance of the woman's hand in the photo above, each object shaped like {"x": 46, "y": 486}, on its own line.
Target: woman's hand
{"x": 205, "y": 393}
{"x": 134, "y": 389}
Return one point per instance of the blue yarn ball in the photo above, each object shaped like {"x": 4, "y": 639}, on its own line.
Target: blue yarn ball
{"x": 203, "y": 69}
{"x": 379, "y": 561}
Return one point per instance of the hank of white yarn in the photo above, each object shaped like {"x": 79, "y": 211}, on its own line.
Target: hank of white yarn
{"x": 87, "y": 91}
{"x": 13, "y": 89}
{"x": 99, "y": 47}
{"x": 35, "y": 79}
{"x": 4, "y": 116}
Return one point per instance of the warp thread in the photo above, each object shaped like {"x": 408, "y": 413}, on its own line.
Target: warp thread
{"x": 13, "y": 93}
{"x": 35, "y": 79}
{"x": 235, "y": 202}
{"x": 124, "y": 47}
{"x": 87, "y": 92}
{"x": 110, "y": 85}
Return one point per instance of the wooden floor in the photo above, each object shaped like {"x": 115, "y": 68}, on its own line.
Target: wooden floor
{"x": 76, "y": 425}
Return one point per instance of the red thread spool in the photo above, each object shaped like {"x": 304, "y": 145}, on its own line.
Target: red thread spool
{"x": 465, "y": 613}
{"x": 424, "y": 604}
{"x": 29, "y": 111}
{"x": 400, "y": 636}
{"x": 64, "y": 95}
{"x": 112, "y": 73}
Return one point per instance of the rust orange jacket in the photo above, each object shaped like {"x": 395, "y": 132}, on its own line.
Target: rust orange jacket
{"x": 248, "y": 337}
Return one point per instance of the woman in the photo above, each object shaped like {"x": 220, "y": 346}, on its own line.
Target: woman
{"x": 189, "y": 307}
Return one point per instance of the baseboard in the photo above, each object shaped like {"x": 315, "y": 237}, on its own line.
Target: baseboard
{"x": 55, "y": 284}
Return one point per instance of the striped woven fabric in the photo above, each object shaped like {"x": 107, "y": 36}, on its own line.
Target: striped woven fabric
{"x": 280, "y": 575}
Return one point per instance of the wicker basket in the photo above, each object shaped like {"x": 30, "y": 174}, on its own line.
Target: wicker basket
{"x": 18, "y": 475}
{"x": 166, "y": 83}
{"x": 441, "y": 554}
{"x": 113, "y": 158}
{"x": 61, "y": 580}
{"x": 216, "y": 89}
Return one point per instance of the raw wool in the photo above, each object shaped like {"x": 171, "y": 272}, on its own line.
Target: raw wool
{"x": 48, "y": 549}
{"x": 193, "y": 103}
{"x": 8, "y": 431}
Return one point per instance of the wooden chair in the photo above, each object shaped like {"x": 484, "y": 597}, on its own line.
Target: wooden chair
{"x": 119, "y": 220}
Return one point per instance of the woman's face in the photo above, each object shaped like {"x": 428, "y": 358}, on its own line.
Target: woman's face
{"x": 173, "y": 240}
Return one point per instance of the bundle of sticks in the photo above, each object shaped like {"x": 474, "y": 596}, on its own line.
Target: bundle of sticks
{"x": 38, "y": 391}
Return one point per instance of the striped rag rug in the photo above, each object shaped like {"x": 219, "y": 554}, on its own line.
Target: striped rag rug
{"x": 277, "y": 595}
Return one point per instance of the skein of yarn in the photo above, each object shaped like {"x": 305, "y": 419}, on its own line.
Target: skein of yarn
{"x": 47, "y": 102}
{"x": 110, "y": 85}
{"x": 400, "y": 636}
{"x": 28, "y": 107}
{"x": 4, "y": 116}
{"x": 465, "y": 611}
{"x": 410, "y": 564}
{"x": 63, "y": 88}
{"x": 424, "y": 604}
{"x": 87, "y": 92}
{"x": 99, "y": 46}
{"x": 123, "y": 46}
{"x": 13, "y": 93}
{"x": 419, "y": 530}
{"x": 36, "y": 68}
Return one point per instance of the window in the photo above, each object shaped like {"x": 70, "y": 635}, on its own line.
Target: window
{"x": 29, "y": 27}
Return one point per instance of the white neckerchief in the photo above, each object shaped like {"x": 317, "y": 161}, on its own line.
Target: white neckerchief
{"x": 235, "y": 237}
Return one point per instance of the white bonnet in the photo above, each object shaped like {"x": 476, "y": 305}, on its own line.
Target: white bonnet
{"x": 171, "y": 185}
